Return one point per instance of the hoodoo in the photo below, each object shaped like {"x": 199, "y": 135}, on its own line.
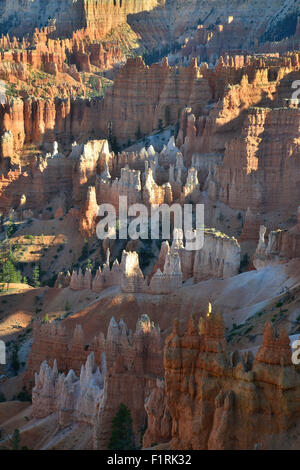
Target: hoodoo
{"x": 149, "y": 226}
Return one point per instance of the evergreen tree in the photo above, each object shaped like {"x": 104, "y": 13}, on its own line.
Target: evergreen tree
{"x": 46, "y": 318}
{"x": 9, "y": 274}
{"x": 85, "y": 251}
{"x": 138, "y": 133}
{"x": 11, "y": 227}
{"x": 122, "y": 437}
{"x": 114, "y": 145}
{"x": 15, "y": 359}
{"x": 36, "y": 277}
{"x": 15, "y": 440}
{"x": 9, "y": 255}
{"x": 1, "y": 222}
{"x": 89, "y": 264}
{"x": 168, "y": 115}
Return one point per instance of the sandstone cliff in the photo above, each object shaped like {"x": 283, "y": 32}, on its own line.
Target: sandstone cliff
{"x": 282, "y": 246}
{"x": 93, "y": 398}
{"x": 219, "y": 400}
{"x": 218, "y": 258}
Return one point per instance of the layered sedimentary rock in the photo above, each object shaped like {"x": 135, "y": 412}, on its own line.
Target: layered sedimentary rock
{"x": 89, "y": 214}
{"x": 282, "y": 246}
{"x": 252, "y": 182}
{"x": 218, "y": 258}
{"x": 95, "y": 17}
{"x": 170, "y": 278}
{"x": 208, "y": 44}
{"x": 123, "y": 358}
{"x": 132, "y": 277}
{"x": 91, "y": 165}
{"x": 129, "y": 185}
{"x": 104, "y": 277}
{"x": 38, "y": 121}
{"x": 75, "y": 399}
{"x": 219, "y": 400}
{"x": 155, "y": 93}
{"x": 38, "y": 181}
{"x": 52, "y": 341}
{"x": 155, "y": 194}
{"x": 159, "y": 93}
{"x": 159, "y": 427}
{"x": 261, "y": 135}
{"x": 138, "y": 361}
{"x": 128, "y": 275}
{"x": 251, "y": 226}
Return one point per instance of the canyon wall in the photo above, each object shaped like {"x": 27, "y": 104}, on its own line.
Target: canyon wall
{"x": 250, "y": 137}
{"x": 219, "y": 257}
{"x": 220, "y": 400}
{"x": 38, "y": 181}
{"x": 129, "y": 277}
{"x": 124, "y": 369}
{"x": 282, "y": 245}
{"x": 95, "y": 17}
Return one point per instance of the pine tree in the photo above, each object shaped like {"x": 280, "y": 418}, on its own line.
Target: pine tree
{"x": 46, "y": 318}
{"x": 138, "y": 133}
{"x": 89, "y": 265}
{"x": 9, "y": 274}
{"x": 15, "y": 440}
{"x": 36, "y": 277}
{"x": 11, "y": 227}
{"x": 85, "y": 251}
{"x": 168, "y": 115}
{"x": 15, "y": 359}
{"x": 122, "y": 437}
{"x": 9, "y": 255}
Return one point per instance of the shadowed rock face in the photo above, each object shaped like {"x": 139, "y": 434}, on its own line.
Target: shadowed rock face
{"x": 97, "y": 17}
{"x": 282, "y": 245}
{"x": 122, "y": 369}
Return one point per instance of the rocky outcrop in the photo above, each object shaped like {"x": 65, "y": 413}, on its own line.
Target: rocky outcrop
{"x": 38, "y": 182}
{"x": 96, "y": 19}
{"x": 138, "y": 362}
{"x": 251, "y": 226}
{"x": 39, "y": 121}
{"x": 282, "y": 246}
{"x": 159, "y": 420}
{"x": 89, "y": 214}
{"x": 152, "y": 94}
{"x": 220, "y": 400}
{"x": 170, "y": 278}
{"x": 252, "y": 183}
{"x": 74, "y": 399}
{"x": 52, "y": 341}
{"x": 128, "y": 185}
{"x": 129, "y": 277}
{"x": 155, "y": 194}
{"x": 237, "y": 136}
{"x": 126, "y": 372}
{"x": 218, "y": 258}
{"x": 132, "y": 279}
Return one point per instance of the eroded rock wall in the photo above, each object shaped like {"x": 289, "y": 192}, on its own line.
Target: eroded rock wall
{"x": 219, "y": 400}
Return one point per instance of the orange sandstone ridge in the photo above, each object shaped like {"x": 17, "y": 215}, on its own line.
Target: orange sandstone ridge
{"x": 204, "y": 398}
{"x": 84, "y": 120}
